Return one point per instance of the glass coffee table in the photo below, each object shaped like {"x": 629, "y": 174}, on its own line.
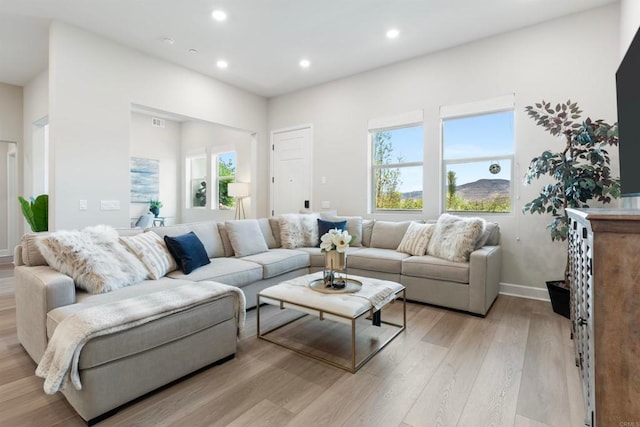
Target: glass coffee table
{"x": 354, "y": 307}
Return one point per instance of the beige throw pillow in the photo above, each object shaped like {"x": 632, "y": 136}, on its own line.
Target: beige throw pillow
{"x": 416, "y": 239}
{"x": 454, "y": 237}
{"x": 152, "y": 251}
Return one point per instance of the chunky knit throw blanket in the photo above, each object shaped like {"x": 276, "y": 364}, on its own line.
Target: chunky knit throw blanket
{"x": 60, "y": 360}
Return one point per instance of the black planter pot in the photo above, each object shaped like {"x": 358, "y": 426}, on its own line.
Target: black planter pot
{"x": 559, "y": 294}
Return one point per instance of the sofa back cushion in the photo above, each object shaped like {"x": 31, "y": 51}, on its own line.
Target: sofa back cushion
{"x": 246, "y": 237}
{"x": 267, "y": 233}
{"x": 455, "y": 237}
{"x": 490, "y": 235}
{"x": 367, "y": 229}
{"x": 207, "y": 232}
{"x": 388, "y": 234}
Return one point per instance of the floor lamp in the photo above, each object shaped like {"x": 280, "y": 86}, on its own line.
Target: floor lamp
{"x": 239, "y": 190}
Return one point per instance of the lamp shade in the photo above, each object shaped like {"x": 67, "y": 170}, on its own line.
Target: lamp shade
{"x": 238, "y": 189}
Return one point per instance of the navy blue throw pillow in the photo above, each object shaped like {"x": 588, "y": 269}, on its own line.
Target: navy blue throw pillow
{"x": 188, "y": 251}
{"x": 325, "y": 226}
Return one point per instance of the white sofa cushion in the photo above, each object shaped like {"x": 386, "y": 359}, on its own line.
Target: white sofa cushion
{"x": 207, "y": 232}
{"x": 375, "y": 259}
{"x": 279, "y": 261}
{"x": 230, "y": 271}
{"x": 431, "y": 267}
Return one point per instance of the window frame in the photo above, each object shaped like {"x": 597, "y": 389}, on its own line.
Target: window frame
{"x": 399, "y": 121}
{"x": 215, "y": 161}
{"x": 482, "y": 110}
{"x": 188, "y": 159}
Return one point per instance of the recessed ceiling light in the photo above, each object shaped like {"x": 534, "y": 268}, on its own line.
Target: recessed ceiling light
{"x": 219, "y": 15}
{"x": 194, "y": 51}
{"x": 305, "y": 63}
{"x": 168, "y": 40}
{"x": 222, "y": 64}
{"x": 393, "y": 33}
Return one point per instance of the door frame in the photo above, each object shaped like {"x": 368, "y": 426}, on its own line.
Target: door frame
{"x": 272, "y": 160}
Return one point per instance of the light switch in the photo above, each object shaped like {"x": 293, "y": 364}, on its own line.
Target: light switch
{"x": 110, "y": 205}
{"x": 83, "y": 205}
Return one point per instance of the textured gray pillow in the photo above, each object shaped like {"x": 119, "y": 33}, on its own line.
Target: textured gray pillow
{"x": 298, "y": 230}
{"x": 455, "y": 237}
{"x": 245, "y": 237}
{"x": 387, "y": 234}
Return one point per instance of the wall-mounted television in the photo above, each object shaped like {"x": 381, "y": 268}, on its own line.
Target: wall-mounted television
{"x": 628, "y": 92}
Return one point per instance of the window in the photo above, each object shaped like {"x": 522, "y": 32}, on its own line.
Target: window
{"x": 396, "y": 168}
{"x": 196, "y": 168}
{"x": 477, "y": 162}
{"x": 225, "y": 173}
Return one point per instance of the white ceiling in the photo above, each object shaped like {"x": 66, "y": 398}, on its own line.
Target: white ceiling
{"x": 263, "y": 40}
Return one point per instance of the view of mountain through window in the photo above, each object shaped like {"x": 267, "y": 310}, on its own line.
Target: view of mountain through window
{"x": 397, "y": 168}
{"x": 478, "y": 157}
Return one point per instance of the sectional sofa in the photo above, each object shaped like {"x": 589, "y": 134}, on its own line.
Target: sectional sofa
{"x": 251, "y": 255}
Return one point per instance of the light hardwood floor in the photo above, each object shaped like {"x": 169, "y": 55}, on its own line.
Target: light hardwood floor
{"x": 513, "y": 368}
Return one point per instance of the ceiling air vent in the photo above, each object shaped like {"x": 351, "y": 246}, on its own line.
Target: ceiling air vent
{"x": 159, "y": 123}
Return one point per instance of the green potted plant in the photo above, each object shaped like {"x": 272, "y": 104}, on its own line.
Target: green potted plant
{"x": 154, "y": 207}
{"x": 579, "y": 170}
{"x": 36, "y": 212}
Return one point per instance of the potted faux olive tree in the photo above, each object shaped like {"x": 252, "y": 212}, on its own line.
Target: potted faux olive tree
{"x": 580, "y": 172}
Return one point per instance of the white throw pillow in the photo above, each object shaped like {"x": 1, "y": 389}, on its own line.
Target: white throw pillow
{"x": 152, "y": 251}
{"x": 416, "y": 239}
{"x": 245, "y": 237}
{"x": 298, "y": 230}
{"x": 454, "y": 237}
{"x": 93, "y": 257}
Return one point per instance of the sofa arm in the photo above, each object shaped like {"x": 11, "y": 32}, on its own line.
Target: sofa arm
{"x": 39, "y": 290}
{"x": 484, "y": 278}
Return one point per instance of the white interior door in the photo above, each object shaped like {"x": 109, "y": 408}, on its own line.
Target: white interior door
{"x": 8, "y": 198}
{"x": 291, "y": 170}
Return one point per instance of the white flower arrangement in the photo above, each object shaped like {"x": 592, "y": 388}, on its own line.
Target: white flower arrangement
{"x": 335, "y": 239}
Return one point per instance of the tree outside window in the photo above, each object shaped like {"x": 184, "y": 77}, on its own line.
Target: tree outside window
{"x": 397, "y": 168}
{"x": 226, "y": 166}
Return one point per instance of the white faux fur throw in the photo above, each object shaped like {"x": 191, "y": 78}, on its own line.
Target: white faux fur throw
{"x": 60, "y": 360}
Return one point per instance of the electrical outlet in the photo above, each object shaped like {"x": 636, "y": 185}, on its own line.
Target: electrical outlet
{"x": 82, "y": 205}
{"x": 110, "y": 205}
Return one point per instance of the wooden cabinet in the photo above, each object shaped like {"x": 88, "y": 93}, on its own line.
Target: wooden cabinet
{"x": 604, "y": 274}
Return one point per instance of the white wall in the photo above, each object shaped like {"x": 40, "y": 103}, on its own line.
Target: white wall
{"x": 89, "y": 116}
{"x": 11, "y": 131}
{"x": 162, "y": 144}
{"x": 197, "y": 136}
{"x": 554, "y": 61}
{"x": 36, "y": 109}
{"x": 629, "y": 23}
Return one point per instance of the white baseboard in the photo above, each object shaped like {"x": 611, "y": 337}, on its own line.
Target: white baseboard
{"x": 524, "y": 291}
